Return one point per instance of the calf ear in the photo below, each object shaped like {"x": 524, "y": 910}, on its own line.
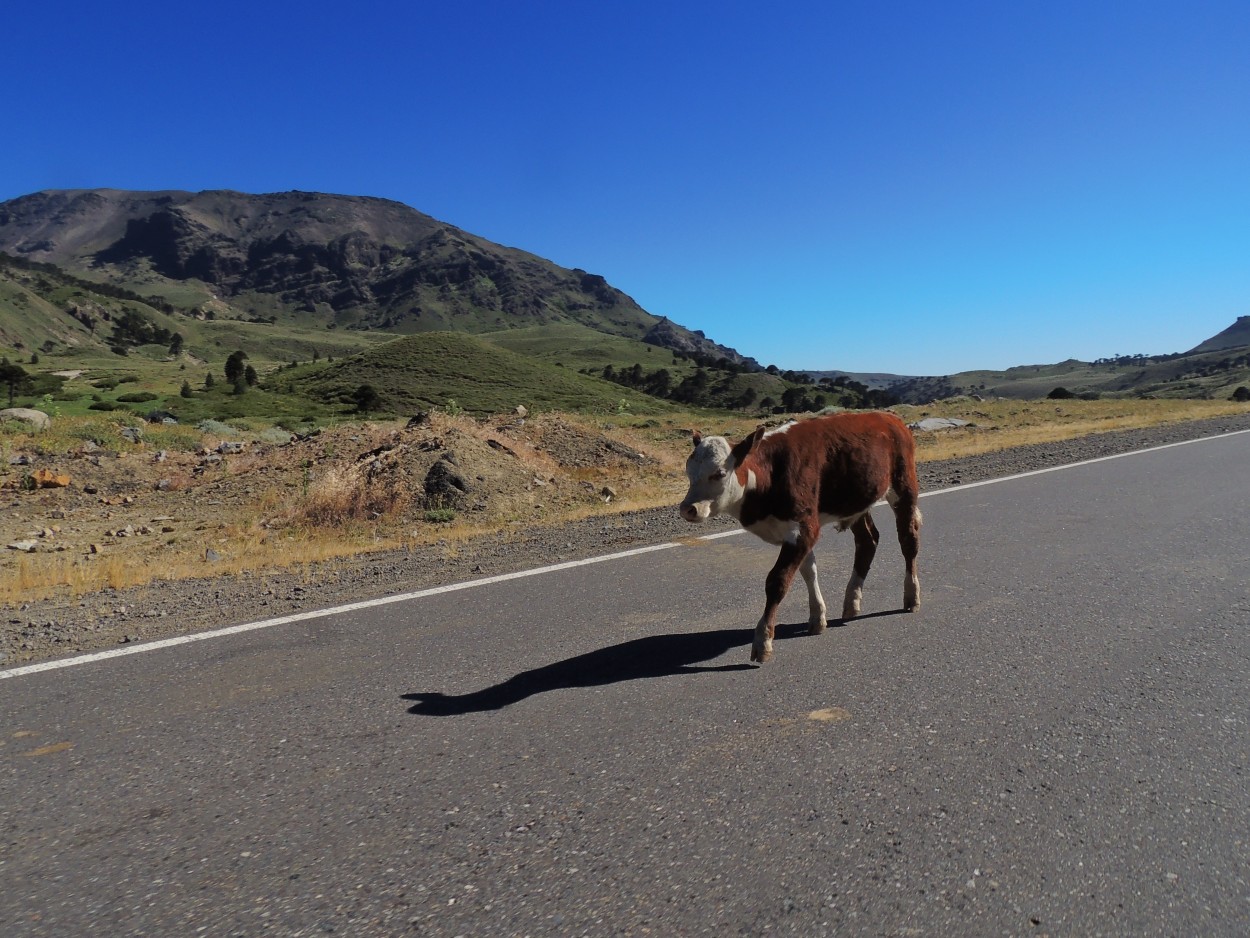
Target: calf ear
{"x": 696, "y": 436}
{"x": 748, "y": 443}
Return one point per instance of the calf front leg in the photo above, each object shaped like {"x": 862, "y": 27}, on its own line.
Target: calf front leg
{"x": 866, "y": 538}
{"x": 816, "y": 608}
{"x": 775, "y": 588}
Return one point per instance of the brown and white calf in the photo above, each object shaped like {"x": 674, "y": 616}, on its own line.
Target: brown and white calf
{"x": 784, "y": 484}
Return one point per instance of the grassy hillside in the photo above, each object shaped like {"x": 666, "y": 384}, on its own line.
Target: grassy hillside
{"x": 1211, "y": 375}
{"x": 458, "y": 371}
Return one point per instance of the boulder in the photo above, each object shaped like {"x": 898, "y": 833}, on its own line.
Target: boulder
{"x": 36, "y": 418}
{"x": 930, "y": 424}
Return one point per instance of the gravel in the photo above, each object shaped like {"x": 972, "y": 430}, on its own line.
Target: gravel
{"x": 56, "y": 628}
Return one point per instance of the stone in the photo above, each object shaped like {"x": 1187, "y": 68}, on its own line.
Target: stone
{"x": 47, "y": 479}
{"x": 444, "y": 481}
{"x": 36, "y": 418}
{"x": 26, "y": 547}
{"x": 930, "y": 424}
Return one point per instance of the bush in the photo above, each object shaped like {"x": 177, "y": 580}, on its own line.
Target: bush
{"x": 1060, "y": 394}
{"x": 102, "y": 405}
{"x": 137, "y": 397}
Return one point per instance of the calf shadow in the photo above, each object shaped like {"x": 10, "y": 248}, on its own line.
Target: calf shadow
{"x": 638, "y": 659}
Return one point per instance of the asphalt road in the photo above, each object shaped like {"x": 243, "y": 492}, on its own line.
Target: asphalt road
{"x": 1055, "y": 744}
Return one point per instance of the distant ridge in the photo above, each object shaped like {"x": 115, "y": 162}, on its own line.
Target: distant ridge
{"x": 1235, "y": 336}
{"x": 352, "y": 262}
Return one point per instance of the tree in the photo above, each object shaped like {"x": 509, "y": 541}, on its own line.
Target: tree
{"x": 234, "y": 366}
{"x": 366, "y": 398}
{"x": 175, "y": 344}
{"x": 250, "y": 376}
{"x": 14, "y": 376}
{"x": 793, "y": 399}
{"x": 209, "y": 381}
{"x": 1242, "y": 394}
{"x": 186, "y": 389}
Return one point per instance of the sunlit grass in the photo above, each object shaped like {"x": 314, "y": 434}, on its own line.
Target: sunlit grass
{"x": 342, "y": 513}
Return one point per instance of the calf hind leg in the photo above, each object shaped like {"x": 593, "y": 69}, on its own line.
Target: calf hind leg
{"x": 866, "y": 538}
{"x": 908, "y": 520}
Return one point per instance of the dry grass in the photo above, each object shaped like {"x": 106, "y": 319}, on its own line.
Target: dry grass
{"x": 342, "y": 512}
{"x": 1003, "y": 424}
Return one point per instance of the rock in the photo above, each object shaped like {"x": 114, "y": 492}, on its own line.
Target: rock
{"x": 521, "y": 411}
{"x": 36, "y": 418}
{"x": 444, "y": 481}
{"x": 26, "y": 547}
{"x": 938, "y": 423}
{"x": 47, "y": 479}
{"x": 607, "y": 493}
{"x": 21, "y": 459}
{"x": 231, "y": 446}
{"x": 133, "y": 434}
{"x": 420, "y": 418}
{"x": 211, "y": 555}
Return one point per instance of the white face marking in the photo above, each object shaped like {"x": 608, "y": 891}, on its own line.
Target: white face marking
{"x": 714, "y": 489}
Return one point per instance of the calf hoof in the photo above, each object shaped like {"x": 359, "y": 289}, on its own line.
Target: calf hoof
{"x": 850, "y": 610}
{"x": 816, "y": 626}
{"x": 912, "y": 607}
{"x": 761, "y": 653}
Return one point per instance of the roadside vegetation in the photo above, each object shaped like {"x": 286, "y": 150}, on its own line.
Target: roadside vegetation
{"x": 153, "y": 501}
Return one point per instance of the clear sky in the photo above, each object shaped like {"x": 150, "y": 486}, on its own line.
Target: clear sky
{"x": 911, "y": 187}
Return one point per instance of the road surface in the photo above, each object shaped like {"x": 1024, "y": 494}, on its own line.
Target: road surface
{"x": 1056, "y": 744}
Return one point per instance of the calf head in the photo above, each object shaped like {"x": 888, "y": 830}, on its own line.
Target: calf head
{"x": 715, "y": 485}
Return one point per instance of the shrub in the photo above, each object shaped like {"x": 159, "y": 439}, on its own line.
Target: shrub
{"x": 102, "y": 405}
{"x": 137, "y": 397}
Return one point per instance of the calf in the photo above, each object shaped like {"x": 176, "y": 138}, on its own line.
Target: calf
{"x": 783, "y": 485}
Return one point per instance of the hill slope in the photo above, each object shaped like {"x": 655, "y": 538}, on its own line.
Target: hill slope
{"x": 450, "y": 370}
{"x": 1235, "y": 336}
{"x": 326, "y": 260}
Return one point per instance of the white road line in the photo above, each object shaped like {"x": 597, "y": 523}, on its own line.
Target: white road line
{"x": 503, "y": 577}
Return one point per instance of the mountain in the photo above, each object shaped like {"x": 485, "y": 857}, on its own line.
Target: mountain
{"x": 1212, "y": 369}
{"x": 331, "y": 261}
{"x": 1235, "y": 336}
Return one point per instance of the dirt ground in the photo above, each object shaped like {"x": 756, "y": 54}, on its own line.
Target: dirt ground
{"x": 99, "y": 515}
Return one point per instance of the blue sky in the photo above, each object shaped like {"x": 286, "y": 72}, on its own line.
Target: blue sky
{"x": 919, "y": 188}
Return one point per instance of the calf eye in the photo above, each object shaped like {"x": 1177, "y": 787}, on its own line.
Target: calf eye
{"x": 717, "y": 475}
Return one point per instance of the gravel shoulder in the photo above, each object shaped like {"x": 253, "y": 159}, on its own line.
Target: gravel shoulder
{"x": 58, "y": 628}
